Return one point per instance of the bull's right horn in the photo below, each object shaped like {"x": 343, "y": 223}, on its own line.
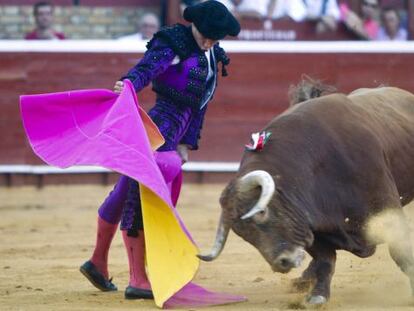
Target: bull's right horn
{"x": 258, "y": 178}
{"x": 221, "y": 237}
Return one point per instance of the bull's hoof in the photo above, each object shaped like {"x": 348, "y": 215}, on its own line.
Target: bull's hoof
{"x": 317, "y": 300}
{"x": 301, "y": 285}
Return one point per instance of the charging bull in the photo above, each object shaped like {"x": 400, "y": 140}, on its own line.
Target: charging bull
{"x": 330, "y": 164}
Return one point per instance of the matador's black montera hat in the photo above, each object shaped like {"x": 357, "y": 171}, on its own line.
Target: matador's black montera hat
{"x": 212, "y": 19}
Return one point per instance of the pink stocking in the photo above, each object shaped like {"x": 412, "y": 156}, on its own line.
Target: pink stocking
{"x": 135, "y": 247}
{"x": 105, "y": 234}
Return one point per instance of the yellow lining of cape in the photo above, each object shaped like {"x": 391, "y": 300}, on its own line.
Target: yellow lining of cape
{"x": 170, "y": 254}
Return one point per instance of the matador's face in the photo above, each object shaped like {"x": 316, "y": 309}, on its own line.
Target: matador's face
{"x": 203, "y": 42}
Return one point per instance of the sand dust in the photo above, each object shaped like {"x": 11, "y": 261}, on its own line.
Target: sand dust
{"x": 386, "y": 227}
{"x": 47, "y": 234}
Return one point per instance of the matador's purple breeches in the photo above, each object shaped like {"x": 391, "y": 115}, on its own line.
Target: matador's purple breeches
{"x": 123, "y": 201}
{"x": 111, "y": 208}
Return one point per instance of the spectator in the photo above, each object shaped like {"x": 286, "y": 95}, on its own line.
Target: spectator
{"x": 43, "y": 14}
{"x": 324, "y": 12}
{"x": 391, "y": 29}
{"x": 186, "y": 3}
{"x": 295, "y": 9}
{"x": 247, "y": 8}
{"x": 366, "y": 27}
{"x": 147, "y": 27}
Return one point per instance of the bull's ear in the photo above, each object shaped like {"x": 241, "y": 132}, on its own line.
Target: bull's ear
{"x": 309, "y": 239}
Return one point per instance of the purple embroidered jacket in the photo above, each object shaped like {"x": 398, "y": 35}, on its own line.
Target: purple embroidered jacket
{"x": 182, "y": 89}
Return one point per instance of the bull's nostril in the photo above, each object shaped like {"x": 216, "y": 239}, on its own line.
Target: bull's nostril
{"x": 284, "y": 262}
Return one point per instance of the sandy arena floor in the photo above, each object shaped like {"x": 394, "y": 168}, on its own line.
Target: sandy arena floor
{"x": 46, "y": 234}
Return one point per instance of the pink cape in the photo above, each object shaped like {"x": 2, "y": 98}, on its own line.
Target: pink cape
{"x": 99, "y": 127}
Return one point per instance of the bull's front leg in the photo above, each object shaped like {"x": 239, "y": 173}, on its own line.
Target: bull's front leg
{"x": 323, "y": 267}
{"x": 308, "y": 277}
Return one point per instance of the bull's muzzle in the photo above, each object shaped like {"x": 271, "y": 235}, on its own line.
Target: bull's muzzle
{"x": 288, "y": 260}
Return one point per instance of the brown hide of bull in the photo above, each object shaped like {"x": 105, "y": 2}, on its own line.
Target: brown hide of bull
{"x": 336, "y": 160}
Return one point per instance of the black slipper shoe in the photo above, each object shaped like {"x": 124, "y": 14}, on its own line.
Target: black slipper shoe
{"x": 89, "y": 270}
{"x": 138, "y": 293}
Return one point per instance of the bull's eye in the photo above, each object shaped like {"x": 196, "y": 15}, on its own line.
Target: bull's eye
{"x": 261, "y": 217}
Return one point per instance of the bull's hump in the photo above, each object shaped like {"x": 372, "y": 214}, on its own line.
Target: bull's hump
{"x": 380, "y": 91}
{"x": 312, "y": 106}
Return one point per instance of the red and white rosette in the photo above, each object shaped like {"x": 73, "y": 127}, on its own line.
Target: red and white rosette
{"x": 259, "y": 139}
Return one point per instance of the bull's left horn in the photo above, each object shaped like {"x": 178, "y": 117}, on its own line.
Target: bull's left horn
{"x": 263, "y": 179}
{"x": 221, "y": 237}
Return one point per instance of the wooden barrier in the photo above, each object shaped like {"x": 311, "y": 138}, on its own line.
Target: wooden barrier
{"x": 254, "y": 92}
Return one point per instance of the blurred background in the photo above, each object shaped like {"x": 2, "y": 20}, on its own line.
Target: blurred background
{"x": 52, "y": 46}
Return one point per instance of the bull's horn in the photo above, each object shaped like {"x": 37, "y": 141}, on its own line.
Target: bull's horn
{"x": 253, "y": 179}
{"x": 221, "y": 237}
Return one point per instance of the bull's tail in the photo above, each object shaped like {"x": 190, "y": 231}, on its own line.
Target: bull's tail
{"x": 308, "y": 88}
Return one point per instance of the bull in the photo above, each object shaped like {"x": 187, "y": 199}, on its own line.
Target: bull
{"x": 331, "y": 164}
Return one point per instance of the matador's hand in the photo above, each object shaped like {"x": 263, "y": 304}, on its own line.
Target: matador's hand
{"x": 118, "y": 87}
{"x": 182, "y": 151}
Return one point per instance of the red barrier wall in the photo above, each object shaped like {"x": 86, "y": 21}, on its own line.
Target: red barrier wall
{"x": 254, "y": 92}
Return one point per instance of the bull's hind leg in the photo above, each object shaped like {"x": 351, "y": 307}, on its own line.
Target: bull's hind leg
{"x": 323, "y": 267}
{"x": 401, "y": 250}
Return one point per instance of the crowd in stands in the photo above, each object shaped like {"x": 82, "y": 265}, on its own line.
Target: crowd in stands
{"x": 374, "y": 23}
{"x": 373, "y": 20}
